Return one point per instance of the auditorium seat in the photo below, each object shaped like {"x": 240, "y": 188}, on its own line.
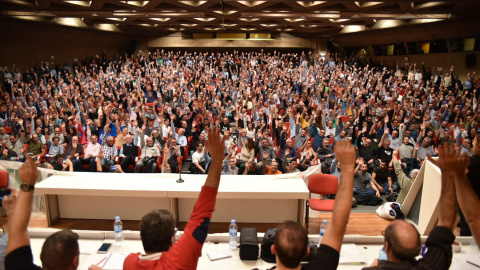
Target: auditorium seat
{"x": 323, "y": 184}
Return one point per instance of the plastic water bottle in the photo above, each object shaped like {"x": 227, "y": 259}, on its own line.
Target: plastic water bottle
{"x": 233, "y": 234}
{"x": 118, "y": 228}
{"x": 323, "y": 229}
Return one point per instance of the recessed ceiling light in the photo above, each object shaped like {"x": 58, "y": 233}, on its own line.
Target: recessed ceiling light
{"x": 80, "y": 3}
{"x": 226, "y": 12}
{"x": 251, "y": 3}
{"x": 249, "y": 19}
{"x": 193, "y": 3}
{"x": 117, "y": 19}
{"x": 160, "y": 19}
{"x": 294, "y": 20}
{"x": 205, "y": 19}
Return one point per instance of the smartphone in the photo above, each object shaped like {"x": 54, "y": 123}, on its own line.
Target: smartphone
{"x": 104, "y": 248}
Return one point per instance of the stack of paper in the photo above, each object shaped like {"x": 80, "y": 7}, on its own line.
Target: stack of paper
{"x": 219, "y": 254}
{"x": 351, "y": 255}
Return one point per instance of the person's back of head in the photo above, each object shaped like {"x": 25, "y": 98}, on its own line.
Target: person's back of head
{"x": 60, "y": 251}
{"x": 156, "y": 230}
{"x": 291, "y": 240}
{"x": 403, "y": 240}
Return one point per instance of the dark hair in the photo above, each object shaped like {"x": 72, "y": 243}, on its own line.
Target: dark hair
{"x": 250, "y": 144}
{"x": 59, "y": 250}
{"x": 402, "y": 253}
{"x": 156, "y": 230}
{"x": 197, "y": 144}
{"x": 291, "y": 242}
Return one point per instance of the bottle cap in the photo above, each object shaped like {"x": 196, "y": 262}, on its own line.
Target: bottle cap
{"x": 117, "y": 218}
{"x": 324, "y": 221}
{"x": 233, "y": 221}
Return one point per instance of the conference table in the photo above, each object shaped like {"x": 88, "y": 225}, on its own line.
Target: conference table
{"x": 261, "y": 199}
{"x": 357, "y": 251}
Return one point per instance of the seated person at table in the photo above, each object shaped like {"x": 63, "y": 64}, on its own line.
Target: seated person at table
{"x": 157, "y": 228}
{"x": 291, "y": 238}
{"x": 60, "y": 250}
{"x": 402, "y": 240}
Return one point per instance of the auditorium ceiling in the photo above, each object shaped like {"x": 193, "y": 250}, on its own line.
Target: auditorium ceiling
{"x": 299, "y": 18}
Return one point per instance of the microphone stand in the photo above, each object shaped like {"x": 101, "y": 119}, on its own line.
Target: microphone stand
{"x": 180, "y": 180}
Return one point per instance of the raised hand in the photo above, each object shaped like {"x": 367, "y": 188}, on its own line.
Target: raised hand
{"x": 214, "y": 145}
{"x": 28, "y": 172}
{"x": 345, "y": 154}
{"x": 449, "y": 160}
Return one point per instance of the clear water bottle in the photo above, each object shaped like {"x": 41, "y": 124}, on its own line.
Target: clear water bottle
{"x": 233, "y": 234}
{"x": 118, "y": 228}
{"x": 323, "y": 229}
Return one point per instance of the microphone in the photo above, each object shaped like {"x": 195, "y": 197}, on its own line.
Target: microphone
{"x": 180, "y": 180}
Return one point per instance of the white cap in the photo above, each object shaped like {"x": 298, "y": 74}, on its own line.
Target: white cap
{"x": 117, "y": 218}
{"x": 233, "y": 221}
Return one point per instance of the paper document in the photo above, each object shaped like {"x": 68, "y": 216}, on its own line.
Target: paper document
{"x": 90, "y": 247}
{"x": 96, "y": 259}
{"x": 115, "y": 262}
{"x": 468, "y": 259}
{"x": 350, "y": 254}
{"x": 219, "y": 254}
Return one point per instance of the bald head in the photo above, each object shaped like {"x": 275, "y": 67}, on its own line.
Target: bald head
{"x": 402, "y": 241}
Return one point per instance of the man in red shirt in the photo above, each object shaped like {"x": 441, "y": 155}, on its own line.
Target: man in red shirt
{"x": 157, "y": 228}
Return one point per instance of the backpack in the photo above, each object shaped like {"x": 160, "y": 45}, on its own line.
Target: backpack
{"x": 371, "y": 200}
{"x": 392, "y": 197}
{"x": 267, "y": 242}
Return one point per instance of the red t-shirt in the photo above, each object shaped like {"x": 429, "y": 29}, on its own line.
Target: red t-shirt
{"x": 185, "y": 253}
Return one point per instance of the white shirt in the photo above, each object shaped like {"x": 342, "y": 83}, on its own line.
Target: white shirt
{"x": 197, "y": 157}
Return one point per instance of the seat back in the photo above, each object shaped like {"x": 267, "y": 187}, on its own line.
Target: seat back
{"x": 323, "y": 184}
{"x": 3, "y": 179}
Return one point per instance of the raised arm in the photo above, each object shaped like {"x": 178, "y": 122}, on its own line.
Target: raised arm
{"x": 345, "y": 154}
{"x": 449, "y": 163}
{"x": 18, "y": 220}
{"x": 215, "y": 146}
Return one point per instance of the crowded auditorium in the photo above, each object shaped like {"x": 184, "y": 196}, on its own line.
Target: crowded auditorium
{"x": 239, "y": 134}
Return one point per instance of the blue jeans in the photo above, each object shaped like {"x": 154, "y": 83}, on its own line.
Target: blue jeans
{"x": 386, "y": 191}
{"x": 107, "y": 162}
{"x": 364, "y": 191}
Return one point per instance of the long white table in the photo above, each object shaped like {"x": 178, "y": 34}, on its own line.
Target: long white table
{"x": 368, "y": 246}
{"x": 246, "y": 199}
{"x": 264, "y": 199}
{"x": 103, "y": 196}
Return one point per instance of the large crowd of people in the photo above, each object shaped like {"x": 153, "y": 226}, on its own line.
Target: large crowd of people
{"x": 278, "y": 112}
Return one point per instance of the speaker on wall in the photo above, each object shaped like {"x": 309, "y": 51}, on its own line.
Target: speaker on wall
{"x": 470, "y": 60}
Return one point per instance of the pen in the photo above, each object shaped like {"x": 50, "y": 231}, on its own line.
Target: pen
{"x": 101, "y": 260}
{"x": 473, "y": 264}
